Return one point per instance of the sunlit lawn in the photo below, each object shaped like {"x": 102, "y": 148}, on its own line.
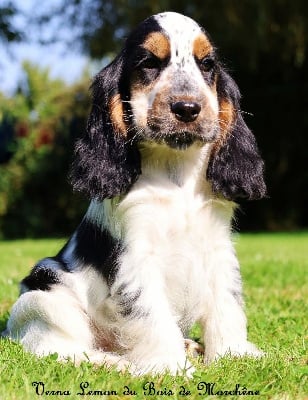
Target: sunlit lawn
{"x": 275, "y": 274}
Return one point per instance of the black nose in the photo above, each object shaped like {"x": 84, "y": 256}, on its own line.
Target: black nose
{"x": 186, "y": 111}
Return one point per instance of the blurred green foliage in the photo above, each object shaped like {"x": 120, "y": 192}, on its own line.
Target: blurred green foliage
{"x": 45, "y": 116}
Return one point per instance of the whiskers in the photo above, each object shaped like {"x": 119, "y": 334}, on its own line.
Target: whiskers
{"x": 161, "y": 126}
{"x": 246, "y": 113}
{"x": 135, "y": 134}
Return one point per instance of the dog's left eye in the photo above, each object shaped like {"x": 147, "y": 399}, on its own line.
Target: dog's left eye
{"x": 207, "y": 64}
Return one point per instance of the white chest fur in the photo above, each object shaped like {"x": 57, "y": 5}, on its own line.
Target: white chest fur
{"x": 171, "y": 227}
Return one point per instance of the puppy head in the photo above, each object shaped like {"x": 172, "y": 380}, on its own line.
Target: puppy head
{"x": 166, "y": 86}
{"x": 173, "y": 82}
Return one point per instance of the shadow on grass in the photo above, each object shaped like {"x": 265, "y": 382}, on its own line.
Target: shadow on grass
{"x": 3, "y": 321}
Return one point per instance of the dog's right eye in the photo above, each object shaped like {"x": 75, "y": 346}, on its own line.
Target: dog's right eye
{"x": 146, "y": 60}
{"x": 150, "y": 62}
{"x": 148, "y": 66}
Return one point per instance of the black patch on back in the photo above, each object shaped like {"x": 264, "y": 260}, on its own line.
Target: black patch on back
{"x": 95, "y": 246}
{"x": 44, "y": 274}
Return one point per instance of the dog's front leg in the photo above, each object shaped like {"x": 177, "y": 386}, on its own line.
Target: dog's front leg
{"x": 148, "y": 330}
{"x": 158, "y": 345}
{"x": 224, "y": 323}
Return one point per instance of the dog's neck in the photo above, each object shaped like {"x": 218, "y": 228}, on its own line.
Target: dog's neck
{"x": 166, "y": 173}
{"x": 180, "y": 167}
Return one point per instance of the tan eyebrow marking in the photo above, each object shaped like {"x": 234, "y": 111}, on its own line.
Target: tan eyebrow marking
{"x": 158, "y": 44}
{"x": 117, "y": 114}
{"x": 201, "y": 47}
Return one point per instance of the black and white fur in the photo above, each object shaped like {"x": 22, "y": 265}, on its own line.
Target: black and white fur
{"x": 165, "y": 156}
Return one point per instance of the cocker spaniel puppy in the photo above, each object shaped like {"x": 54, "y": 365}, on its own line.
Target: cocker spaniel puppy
{"x": 165, "y": 156}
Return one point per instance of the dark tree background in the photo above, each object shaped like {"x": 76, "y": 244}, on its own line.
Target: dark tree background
{"x": 264, "y": 45}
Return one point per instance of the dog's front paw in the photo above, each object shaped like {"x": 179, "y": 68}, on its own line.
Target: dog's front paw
{"x": 235, "y": 350}
{"x": 100, "y": 358}
{"x": 249, "y": 349}
{"x": 158, "y": 365}
{"x": 246, "y": 349}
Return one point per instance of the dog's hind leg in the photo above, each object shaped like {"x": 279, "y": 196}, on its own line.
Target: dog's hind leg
{"x": 48, "y": 322}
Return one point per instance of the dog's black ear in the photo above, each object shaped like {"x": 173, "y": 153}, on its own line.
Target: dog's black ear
{"x": 235, "y": 167}
{"x": 106, "y": 160}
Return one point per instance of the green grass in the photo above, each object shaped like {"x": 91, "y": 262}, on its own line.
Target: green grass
{"x": 274, "y": 269}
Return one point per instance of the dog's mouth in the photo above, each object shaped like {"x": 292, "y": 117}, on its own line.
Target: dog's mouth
{"x": 180, "y": 141}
